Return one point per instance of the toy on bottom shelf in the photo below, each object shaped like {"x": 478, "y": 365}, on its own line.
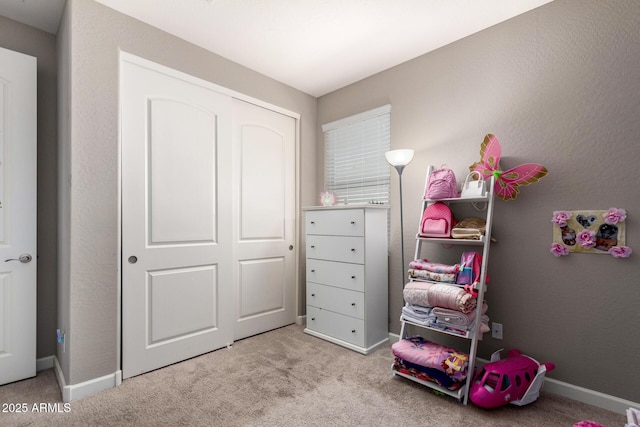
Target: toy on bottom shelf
{"x": 516, "y": 380}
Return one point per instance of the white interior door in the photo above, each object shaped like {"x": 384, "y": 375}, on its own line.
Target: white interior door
{"x": 176, "y": 234}
{"x": 264, "y": 229}
{"x": 17, "y": 216}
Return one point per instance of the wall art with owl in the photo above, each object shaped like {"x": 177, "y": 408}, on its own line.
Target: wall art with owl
{"x": 590, "y": 232}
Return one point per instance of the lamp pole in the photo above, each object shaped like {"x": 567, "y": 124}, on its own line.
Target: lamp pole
{"x": 399, "y": 159}
{"x": 399, "y": 168}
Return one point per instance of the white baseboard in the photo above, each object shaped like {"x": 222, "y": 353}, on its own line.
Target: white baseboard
{"x": 580, "y": 394}
{"x": 44, "y": 363}
{"x": 87, "y": 388}
{"x": 591, "y": 397}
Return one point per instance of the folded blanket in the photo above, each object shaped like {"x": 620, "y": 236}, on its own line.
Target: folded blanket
{"x": 455, "y": 317}
{"x": 425, "y": 374}
{"x": 424, "y": 353}
{"x": 423, "y": 264}
{"x": 439, "y": 295}
{"x": 420, "y": 316}
{"x": 424, "y": 316}
{"x": 430, "y": 275}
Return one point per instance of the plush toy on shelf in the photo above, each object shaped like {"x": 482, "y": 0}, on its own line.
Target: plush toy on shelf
{"x": 516, "y": 380}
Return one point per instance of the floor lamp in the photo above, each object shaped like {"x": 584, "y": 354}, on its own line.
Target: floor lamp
{"x": 399, "y": 159}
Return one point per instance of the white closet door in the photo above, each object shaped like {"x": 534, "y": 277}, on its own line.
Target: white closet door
{"x": 264, "y": 228}
{"x": 176, "y": 221}
{"x": 17, "y": 216}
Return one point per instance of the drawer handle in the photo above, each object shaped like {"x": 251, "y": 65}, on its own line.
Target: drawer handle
{"x": 353, "y": 304}
{"x": 353, "y": 331}
{"x": 352, "y": 249}
{"x": 313, "y": 222}
{"x": 313, "y": 318}
{"x": 313, "y": 247}
{"x": 353, "y": 222}
{"x": 313, "y": 295}
{"x": 313, "y": 271}
{"x": 353, "y": 277}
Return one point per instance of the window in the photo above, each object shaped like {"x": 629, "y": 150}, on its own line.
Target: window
{"x": 356, "y": 170}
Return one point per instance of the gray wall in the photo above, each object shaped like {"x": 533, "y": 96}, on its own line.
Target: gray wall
{"x": 560, "y": 86}
{"x": 89, "y": 41}
{"x": 42, "y": 45}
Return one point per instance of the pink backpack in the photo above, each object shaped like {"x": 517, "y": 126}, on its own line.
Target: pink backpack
{"x": 470, "y": 266}
{"x": 437, "y": 221}
{"x": 441, "y": 184}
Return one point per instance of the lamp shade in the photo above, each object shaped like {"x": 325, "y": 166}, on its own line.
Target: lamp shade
{"x": 399, "y": 157}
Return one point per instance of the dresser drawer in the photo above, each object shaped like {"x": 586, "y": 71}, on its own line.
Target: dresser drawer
{"x": 337, "y": 300}
{"x": 336, "y": 325}
{"x": 339, "y": 274}
{"x": 336, "y": 248}
{"x": 348, "y": 222}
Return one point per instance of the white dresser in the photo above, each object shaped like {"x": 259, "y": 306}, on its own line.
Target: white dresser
{"x": 347, "y": 279}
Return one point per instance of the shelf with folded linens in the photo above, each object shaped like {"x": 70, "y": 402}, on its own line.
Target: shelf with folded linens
{"x": 446, "y": 299}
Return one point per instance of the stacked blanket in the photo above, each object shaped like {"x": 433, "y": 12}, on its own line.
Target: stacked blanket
{"x": 429, "y": 361}
{"x": 445, "y": 319}
{"x": 439, "y": 295}
{"x": 433, "y": 271}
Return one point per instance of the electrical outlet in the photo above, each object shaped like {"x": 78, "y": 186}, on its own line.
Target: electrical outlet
{"x": 496, "y": 330}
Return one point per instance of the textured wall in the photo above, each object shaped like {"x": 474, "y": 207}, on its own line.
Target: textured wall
{"x": 559, "y": 86}
{"x": 42, "y": 45}
{"x": 95, "y": 35}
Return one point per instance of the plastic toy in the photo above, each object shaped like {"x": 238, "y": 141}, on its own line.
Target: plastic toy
{"x": 516, "y": 380}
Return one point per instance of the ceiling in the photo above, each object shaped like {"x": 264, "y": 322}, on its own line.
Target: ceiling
{"x": 316, "y": 46}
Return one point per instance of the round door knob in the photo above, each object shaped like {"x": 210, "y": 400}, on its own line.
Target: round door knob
{"x": 290, "y": 247}
{"x": 132, "y": 259}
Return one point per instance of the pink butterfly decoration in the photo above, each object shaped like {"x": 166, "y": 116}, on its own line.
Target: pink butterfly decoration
{"x": 507, "y": 182}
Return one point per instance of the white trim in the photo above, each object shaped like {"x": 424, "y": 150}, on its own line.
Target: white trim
{"x": 385, "y": 109}
{"x": 591, "y": 397}
{"x": 154, "y": 66}
{"x": 44, "y": 363}
{"x": 87, "y": 388}
{"x": 574, "y": 392}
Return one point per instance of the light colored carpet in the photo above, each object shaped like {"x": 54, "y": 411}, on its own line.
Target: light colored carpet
{"x": 282, "y": 378}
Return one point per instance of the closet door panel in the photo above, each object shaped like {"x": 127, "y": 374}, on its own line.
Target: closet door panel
{"x": 264, "y": 214}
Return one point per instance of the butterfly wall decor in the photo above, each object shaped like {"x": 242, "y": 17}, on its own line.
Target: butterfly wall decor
{"x": 507, "y": 182}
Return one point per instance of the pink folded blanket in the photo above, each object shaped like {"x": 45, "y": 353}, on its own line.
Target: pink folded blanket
{"x": 423, "y": 264}
{"x": 439, "y": 295}
{"x": 421, "y": 352}
{"x": 434, "y": 277}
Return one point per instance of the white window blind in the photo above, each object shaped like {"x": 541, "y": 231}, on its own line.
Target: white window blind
{"x": 356, "y": 170}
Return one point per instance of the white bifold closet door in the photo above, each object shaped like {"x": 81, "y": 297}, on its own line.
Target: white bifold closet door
{"x": 207, "y": 218}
